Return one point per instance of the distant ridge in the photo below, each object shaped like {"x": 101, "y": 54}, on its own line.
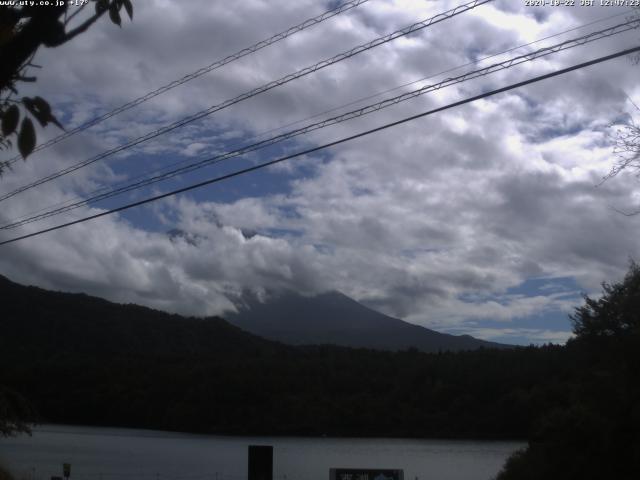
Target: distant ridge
{"x": 83, "y": 360}
{"x": 45, "y": 320}
{"x": 335, "y": 319}
{"x": 82, "y": 322}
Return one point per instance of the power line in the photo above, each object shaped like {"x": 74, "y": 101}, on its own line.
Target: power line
{"x": 326, "y": 145}
{"x": 433, "y": 75}
{"x": 97, "y": 191}
{"x": 264, "y": 88}
{"x": 631, "y": 100}
{"x": 568, "y": 44}
{"x": 310, "y": 22}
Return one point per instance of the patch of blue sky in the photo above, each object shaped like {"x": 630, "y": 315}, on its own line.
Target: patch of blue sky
{"x": 544, "y": 286}
{"x": 260, "y": 183}
{"x": 554, "y": 320}
{"x": 66, "y": 107}
{"x": 514, "y": 335}
{"x": 415, "y": 253}
{"x": 527, "y": 338}
{"x": 545, "y": 134}
{"x": 554, "y": 317}
{"x": 532, "y": 287}
{"x": 475, "y": 53}
{"x": 281, "y": 233}
{"x": 541, "y": 14}
{"x": 331, "y": 4}
{"x": 324, "y": 248}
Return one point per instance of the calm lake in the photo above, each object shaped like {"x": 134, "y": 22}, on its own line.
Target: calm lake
{"x": 112, "y": 454}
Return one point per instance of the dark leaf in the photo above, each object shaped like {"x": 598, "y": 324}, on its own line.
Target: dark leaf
{"x": 42, "y": 105}
{"x": 26, "y": 138}
{"x": 101, "y": 6}
{"x": 10, "y": 120}
{"x": 45, "y": 108}
{"x": 55, "y": 121}
{"x": 41, "y": 110}
{"x": 128, "y": 7}
{"x": 114, "y": 14}
{"x": 55, "y": 34}
{"x": 35, "y": 107}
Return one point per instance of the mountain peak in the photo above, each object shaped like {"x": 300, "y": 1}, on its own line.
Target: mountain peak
{"x": 334, "y": 318}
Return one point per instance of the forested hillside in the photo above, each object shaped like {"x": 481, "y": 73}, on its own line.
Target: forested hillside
{"x": 84, "y": 360}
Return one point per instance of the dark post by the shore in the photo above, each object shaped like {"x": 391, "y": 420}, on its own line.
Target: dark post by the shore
{"x": 260, "y": 462}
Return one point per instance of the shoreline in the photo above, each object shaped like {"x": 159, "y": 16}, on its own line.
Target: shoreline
{"x": 52, "y": 427}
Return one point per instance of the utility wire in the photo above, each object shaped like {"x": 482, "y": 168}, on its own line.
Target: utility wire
{"x": 433, "y": 75}
{"x": 94, "y": 193}
{"x": 568, "y": 44}
{"x": 326, "y": 145}
{"x": 631, "y": 100}
{"x": 273, "y": 84}
{"x": 190, "y": 76}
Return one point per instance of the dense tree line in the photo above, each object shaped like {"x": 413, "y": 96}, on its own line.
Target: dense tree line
{"x": 317, "y": 391}
{"x": 84, "y": 360}
{"x": 310, "y": 391}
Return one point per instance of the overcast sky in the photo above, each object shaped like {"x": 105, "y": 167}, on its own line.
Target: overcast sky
{"x": 486, "y": 219}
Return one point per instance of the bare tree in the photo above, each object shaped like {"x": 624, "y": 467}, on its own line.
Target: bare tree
{"x": 626, "y": 139}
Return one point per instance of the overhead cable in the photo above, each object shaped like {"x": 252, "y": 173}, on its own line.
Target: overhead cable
{"x": 171, "y": 166}
{"x": 201, "y": 71}
{"x": 252, "y": 93}
{"x": 543, "y": 52}
{"x": 325, "y": 146}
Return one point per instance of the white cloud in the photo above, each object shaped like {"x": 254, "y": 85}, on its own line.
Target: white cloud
{"x": 412, "y": 221}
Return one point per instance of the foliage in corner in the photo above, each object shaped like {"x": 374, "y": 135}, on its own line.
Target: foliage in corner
{"x": 23, "y": 29}
{"x": 615, "y": 314}
{"x": 5, "y": 474}
{"x": 16, "y": 413}
{"x": 596, "y": 433}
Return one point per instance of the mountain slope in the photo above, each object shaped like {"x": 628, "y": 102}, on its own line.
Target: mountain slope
{"x": 83, "y": 360}
{"x": 333, "y": 318}
{"x": 42, "y": 320}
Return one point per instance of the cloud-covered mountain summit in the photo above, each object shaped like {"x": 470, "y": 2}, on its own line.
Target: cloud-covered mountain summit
{"x": 333, "y": 318}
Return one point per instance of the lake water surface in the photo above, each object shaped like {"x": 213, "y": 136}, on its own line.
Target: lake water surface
{"x": 113, "y": 454}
